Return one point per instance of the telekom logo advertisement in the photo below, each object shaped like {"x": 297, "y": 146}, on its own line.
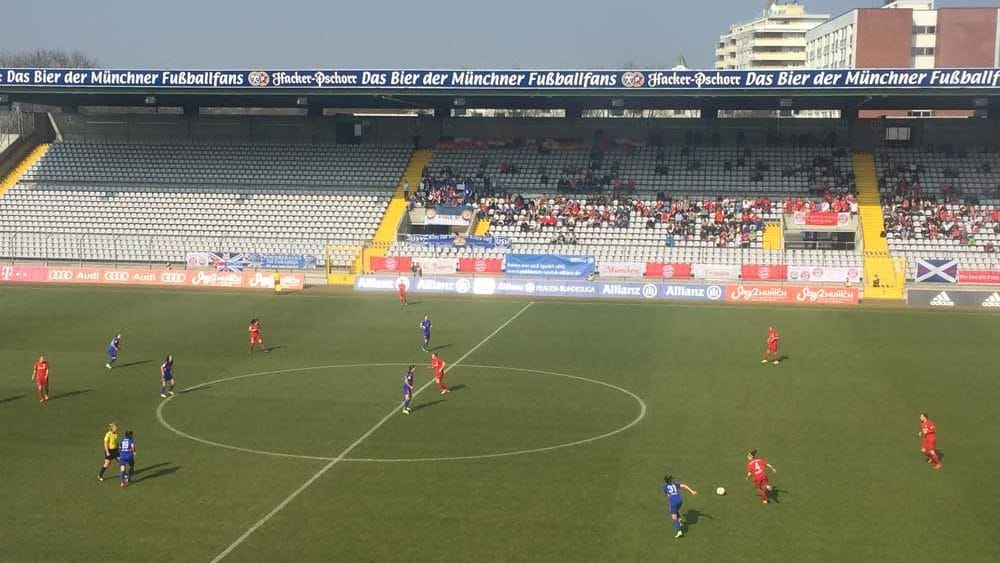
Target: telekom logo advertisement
{"x": 24, "y": 274}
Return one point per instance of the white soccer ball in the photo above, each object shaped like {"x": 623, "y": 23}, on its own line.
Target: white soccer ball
{"x": 721, "y": 491}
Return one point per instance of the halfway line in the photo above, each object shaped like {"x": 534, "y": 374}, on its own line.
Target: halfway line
{"x": 340, "y": 457}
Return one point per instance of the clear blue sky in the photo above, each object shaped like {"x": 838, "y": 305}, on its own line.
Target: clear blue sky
{"x": 388, "y": 34}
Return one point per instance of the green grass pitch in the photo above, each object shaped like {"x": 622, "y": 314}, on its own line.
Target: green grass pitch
{"x": 838, "y": 419}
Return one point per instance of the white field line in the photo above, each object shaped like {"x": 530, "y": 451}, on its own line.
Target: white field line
{"x": 340, "y": 457}
{"x": 636, "y": 420}
{"x": 162, "y": 419}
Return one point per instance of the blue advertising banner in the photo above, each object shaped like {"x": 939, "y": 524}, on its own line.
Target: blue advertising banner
{"x": 335, "y": 79}
{"x": 550, "y": 265}
{"x": 543, "y": 288}
{"x": 287, "y": 261}
{"x": 236, "y": 262}
{"x": 471, "y": 241}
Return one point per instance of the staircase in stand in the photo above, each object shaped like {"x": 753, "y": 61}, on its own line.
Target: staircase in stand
{"x": 482, "y": 227}
{"x": 12, "y": 178}
{"x": 773, "y": 237}
{"x": 879, "y": 264}
{"x": 385, "y": 235}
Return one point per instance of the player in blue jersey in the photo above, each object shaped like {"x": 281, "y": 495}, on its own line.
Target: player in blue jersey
{"x": 113, "y": 350}
{"x": 425, "y": 330}
{"x": 672, "y": 489}
{"x": 167, "y": 376}
{"x": 408, "y": 388}
{"x": 126, "y": 457}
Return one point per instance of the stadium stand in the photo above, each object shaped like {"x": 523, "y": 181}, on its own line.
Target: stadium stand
{"x": 153, "y": 203}
{"x": 631, "y": 203}
{"x": 10, "y": 180}
{"x": 679, "y": 170}
{"x": 941, "y": 203}
{"x": 388, "y": 227}
{"x": 324, "y": 166}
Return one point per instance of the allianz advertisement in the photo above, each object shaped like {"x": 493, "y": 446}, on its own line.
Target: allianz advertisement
{"x": 538, "y": 288}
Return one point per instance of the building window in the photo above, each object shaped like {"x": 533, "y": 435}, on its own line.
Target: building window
{"x": 922, "y": 51}
{"x": 919, "y": 113}
{"x": 929, "y": 29}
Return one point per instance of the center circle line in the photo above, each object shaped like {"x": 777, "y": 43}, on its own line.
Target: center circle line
{"x": 642, "y": 414}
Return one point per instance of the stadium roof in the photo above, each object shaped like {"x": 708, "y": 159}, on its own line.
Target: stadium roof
{"x": 844, "y": 89}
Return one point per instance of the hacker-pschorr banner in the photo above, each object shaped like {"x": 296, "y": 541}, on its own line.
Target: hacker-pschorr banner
{"x": 344, "y": 79}
{"x": 950, "y": 299}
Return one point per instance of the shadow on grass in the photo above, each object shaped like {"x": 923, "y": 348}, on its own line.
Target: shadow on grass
{"x": 12, "y": 399}
{"x": 194, "y": 389}
{"x": 441, "y": 347}
{"x": 162, "y": 470}
{"x": 272, "y": 349}
{"x": 692, "y": 517}
{"x": 776, "y": 494}
{"x": 70, "y": 394}
{"x": 458, "y": 387}
{"x": 149, "y": 468}
{"x": 130, "y": 364}
{"x": 426, "y": 405}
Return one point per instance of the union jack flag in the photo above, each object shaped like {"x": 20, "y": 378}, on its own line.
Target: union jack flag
{"x": 227, "y": 261}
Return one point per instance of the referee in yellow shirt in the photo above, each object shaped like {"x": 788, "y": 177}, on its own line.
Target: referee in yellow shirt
{"x": 277, "y": 283}
{"x": 110, "y": 448}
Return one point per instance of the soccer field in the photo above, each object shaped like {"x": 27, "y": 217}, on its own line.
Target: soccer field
{"x": 563, "y": 419}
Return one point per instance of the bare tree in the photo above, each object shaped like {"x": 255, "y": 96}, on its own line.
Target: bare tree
{"x": 46, "y": 58}
{"x": 20, "y": 119}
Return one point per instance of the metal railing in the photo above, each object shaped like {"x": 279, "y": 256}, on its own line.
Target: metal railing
{"x": 158, "y": 250}
{"x": 17, "y": 122}
{"x": 133, "y": 248}
{"x": 626, "y": 253}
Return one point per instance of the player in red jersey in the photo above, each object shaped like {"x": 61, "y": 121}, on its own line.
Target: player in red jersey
{"x": 438, "y": 365}
{"x": 756, "y": 468}
{"x": 254, "y": 329}
{"x": 772, "y": 346}
{"x": 928, "y": 446}
{"x": 401, "y": 290}
{"x": 40, "y": 375}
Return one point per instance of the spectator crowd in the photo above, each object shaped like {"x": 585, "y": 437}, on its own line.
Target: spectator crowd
{"x": 913, "y": 210}
{"x": 443, "y": 189}
{"x": 725, "y": 222}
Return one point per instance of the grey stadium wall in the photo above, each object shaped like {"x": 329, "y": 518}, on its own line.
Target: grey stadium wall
{"x": 865, "y": 134}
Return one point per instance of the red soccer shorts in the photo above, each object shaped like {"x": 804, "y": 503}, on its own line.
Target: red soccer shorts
{"x": 929, "y": 442}
{"x": 760, "y": 482}
{"x": 42, "y": 382}
{"x": 772, "y": 348}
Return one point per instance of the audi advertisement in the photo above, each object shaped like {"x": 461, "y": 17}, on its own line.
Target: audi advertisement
{"x": 163, "y": 278}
